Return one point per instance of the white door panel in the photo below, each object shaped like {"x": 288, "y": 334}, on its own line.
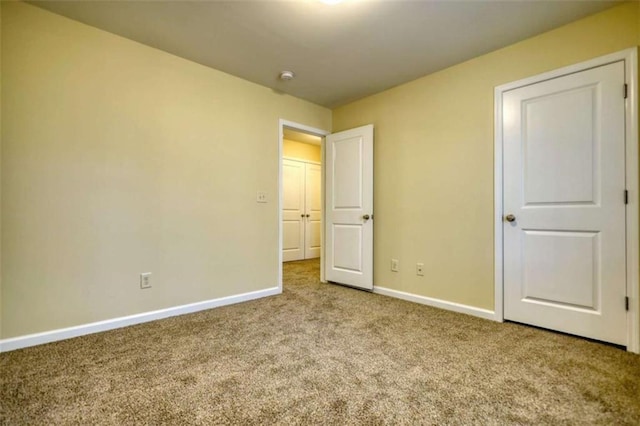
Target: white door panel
{"x": 293, "y": 181}
{"x": 564, "y": 181}
{"x": 546, "y": 255}
{"x": 347, "y": 169}
{"x": 291, "y": 239}
{"x": 559, "y": 172}
{"x": 314, "y": 239}
{"x": 349, "y": 207}
{"x": 347, "y": 242}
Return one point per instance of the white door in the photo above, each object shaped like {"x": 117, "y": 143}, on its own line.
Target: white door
{"x": 349, "y": 207}
{"x": 313, "y": 208}
{"x": 564, "y": 206}
{"x": 293, "y": 214}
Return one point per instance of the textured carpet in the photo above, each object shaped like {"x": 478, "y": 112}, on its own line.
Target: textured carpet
{"x": 321, "y": 354}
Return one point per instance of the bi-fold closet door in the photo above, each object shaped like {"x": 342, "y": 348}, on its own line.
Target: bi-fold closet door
{"x": 301, "y": 211}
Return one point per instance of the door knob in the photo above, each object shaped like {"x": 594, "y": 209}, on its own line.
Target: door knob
{"x": 301, "y": 215}
{"x": 366, "y": 217}
{"x": 308, "y": 215}
{"x": 510, "y": 218}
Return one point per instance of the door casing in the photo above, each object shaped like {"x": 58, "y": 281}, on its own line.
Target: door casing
{"x": 629, "y": 56}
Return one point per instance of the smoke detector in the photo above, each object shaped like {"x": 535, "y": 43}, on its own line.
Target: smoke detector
{"x": 286, "y": 75}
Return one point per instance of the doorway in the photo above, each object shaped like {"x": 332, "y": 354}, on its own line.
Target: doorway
{"x": 301, "y": 197}
{"x": 346, "y": 234}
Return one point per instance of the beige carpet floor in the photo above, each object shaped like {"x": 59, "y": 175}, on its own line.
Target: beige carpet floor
{"x": 321, "y": 354}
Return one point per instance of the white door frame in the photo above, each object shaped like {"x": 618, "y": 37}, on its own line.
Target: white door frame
{"x": 630, "y": 58}
{"x": 314, "y": 131}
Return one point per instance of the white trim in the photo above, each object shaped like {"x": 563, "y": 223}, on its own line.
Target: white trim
{"x": 629, "y": 56}
{"x": 306, "y": 129}
{"x": 323, "y": 179}
{"x": 633, "y": 231}
{"x": 436, "y": 303}
{"x": 96, "y": 327}
{"x": 497, "y": 211}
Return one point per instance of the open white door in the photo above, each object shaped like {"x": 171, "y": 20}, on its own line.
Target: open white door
{"x": 349, "y": 207}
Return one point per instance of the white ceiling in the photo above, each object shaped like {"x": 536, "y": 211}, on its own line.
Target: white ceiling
{"x": 339, "y": 53}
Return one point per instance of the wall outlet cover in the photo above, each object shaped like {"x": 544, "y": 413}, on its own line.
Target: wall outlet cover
{"x": 395, "y": 265}
{"x": 145, "y": 280}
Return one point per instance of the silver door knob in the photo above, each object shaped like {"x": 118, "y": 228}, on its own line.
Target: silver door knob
{"x": 366, "y": 217}
{"x": 510, "y": 218}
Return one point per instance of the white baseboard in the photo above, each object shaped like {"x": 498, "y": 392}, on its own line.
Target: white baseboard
{"x": 436, "y": 303}
{"x": 96, "y": 327}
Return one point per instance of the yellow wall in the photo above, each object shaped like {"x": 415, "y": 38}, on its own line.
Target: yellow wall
{"x": 301, "y": 151}
{"x": 434, "y": 157}
{"x": 120, "y": 159}
{"x": 0, "y": 173}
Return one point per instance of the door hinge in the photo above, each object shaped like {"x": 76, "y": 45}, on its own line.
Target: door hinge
{"x": 626, "y": 196}
{"x": 626, "y": 90}
{"x": 626, "y": 303}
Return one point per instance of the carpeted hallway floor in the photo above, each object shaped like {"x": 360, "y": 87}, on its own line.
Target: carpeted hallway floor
{"x": 321, "y": 354}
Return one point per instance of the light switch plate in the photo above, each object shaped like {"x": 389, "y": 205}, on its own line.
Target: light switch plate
{"x": 261, "y": 197}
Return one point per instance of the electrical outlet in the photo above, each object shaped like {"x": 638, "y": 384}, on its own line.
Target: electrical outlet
{"x": 145, "y": 280}
{"x": 420, "y": 269}
{"x": 395, "y": 265}
{"x": 261, "y": 197}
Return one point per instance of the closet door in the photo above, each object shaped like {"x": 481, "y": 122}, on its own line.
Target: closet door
{"x": 313, "y": 207}
{"x": 293, "y": 214}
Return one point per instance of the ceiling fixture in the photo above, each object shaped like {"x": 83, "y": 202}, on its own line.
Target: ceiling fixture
{"x": 286, "y": 75}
